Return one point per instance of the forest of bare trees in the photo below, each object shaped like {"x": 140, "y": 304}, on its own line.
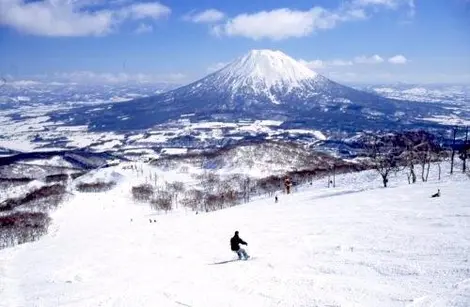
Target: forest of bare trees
{"x": 26, "y": 218}
{"x": 413, "y": 151}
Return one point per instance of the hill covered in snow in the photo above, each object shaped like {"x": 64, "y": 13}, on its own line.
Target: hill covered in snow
{"x": 259, "y": 159}
{"x": 356, "y": 244}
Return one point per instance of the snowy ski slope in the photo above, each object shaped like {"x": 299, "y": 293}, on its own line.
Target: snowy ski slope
{"x": 354, "y": 245}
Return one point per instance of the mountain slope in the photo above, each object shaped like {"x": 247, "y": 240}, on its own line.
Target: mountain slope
{"x": 260, "y": 79}
{"x": 354, "y": 245}
{"x": 262, "y": 84}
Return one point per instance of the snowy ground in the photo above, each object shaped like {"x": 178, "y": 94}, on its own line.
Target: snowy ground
{"x": 354, "y": 245}
{"x": 39, "y": 132}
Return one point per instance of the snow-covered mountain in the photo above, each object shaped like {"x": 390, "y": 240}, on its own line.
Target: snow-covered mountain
{"x": 262, "y": 72}
{"x": 451, "y": 93}
{"x": 262, "y": 84}
{"x": 264, "y": 78}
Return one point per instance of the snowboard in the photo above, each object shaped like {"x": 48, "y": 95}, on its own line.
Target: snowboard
{"x": 233, "y": 260}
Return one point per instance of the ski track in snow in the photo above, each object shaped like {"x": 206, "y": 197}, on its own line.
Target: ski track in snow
{"x": 354, "y": 245}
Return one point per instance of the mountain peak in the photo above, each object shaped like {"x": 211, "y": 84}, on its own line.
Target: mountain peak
{"x": 265, "y": 69}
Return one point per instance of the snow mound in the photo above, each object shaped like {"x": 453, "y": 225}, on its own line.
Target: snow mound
{"x": 100, "y": 175}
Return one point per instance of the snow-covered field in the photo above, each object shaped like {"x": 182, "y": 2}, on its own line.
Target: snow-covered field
{"x": 457, "y": 97}
{"x": 27, "y": 123}
{"x": 40, "y": 133}
{"x": 353, "y": 245}
{"x": 448, "y": 93}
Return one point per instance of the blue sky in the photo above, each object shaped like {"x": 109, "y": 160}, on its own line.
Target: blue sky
{"x": 420, "y": 41}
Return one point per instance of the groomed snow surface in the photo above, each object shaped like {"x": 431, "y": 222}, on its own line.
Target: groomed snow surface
{"x": 353, "y": 245}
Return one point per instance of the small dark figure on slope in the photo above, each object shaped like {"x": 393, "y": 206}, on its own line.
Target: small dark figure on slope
{"x": 438, "y": 194}
{"x": 235, "y": 242}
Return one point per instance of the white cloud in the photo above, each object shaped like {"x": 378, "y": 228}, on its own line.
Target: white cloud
{"x": 387, "y": 77}
{"x": 392, "y": 4}
{"x": 339, "y": 62}
{"x": 375, "y": 59}
{"x": 23, "y": 83}
{"x": 72, "y": 18}
{"x": 284, "y": 23}
{"x": 153, "y": 10}
{"x": 354, "y": 14}
{"x": 320, "y": 64}
{"x": 398, "y": 59}
{"x": 144, "y": 28}
{"x": 85, "y": 77}
{"x": 389, "y": 4}
{"x": 207, "y": 16}
{"x": 315, "y": 64}
{"x": 216, "y": 66}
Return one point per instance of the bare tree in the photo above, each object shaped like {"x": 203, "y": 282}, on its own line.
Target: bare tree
{"x": 22, "y": 227}
{"x": 453, "y": 151}
{"x": 226, "y": 194}
{"x": 209, "y": 181}
{"x": 246, "y": 188}
{"x": 463, "y": 152}
{"x": 269, "y": 185}
{"x": 175, "y": 188}
{"x": 193, "y": 199}
{"x": 410, "y": 158}
{"x": 428, "y": 151}
{"x": 440, "y": 155}
{"x": 425, "y": 158}
{"x": 384, "y": 155}
{"x": 421, "y": 148}
{"x": 162, "y": 201}
{"x": 143, "y": 192}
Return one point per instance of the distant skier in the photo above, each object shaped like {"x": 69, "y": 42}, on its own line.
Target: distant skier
{"x": 287, "y": 184}
{"x": 438, "y": 194}
{"x": 276, "y": 199}
{"x": 235, "y": 242}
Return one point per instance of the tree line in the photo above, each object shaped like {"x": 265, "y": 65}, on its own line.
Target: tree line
{"x": 413, "y": 151}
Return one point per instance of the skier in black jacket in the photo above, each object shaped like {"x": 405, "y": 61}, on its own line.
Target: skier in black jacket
{"x": 235, "y": 242}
